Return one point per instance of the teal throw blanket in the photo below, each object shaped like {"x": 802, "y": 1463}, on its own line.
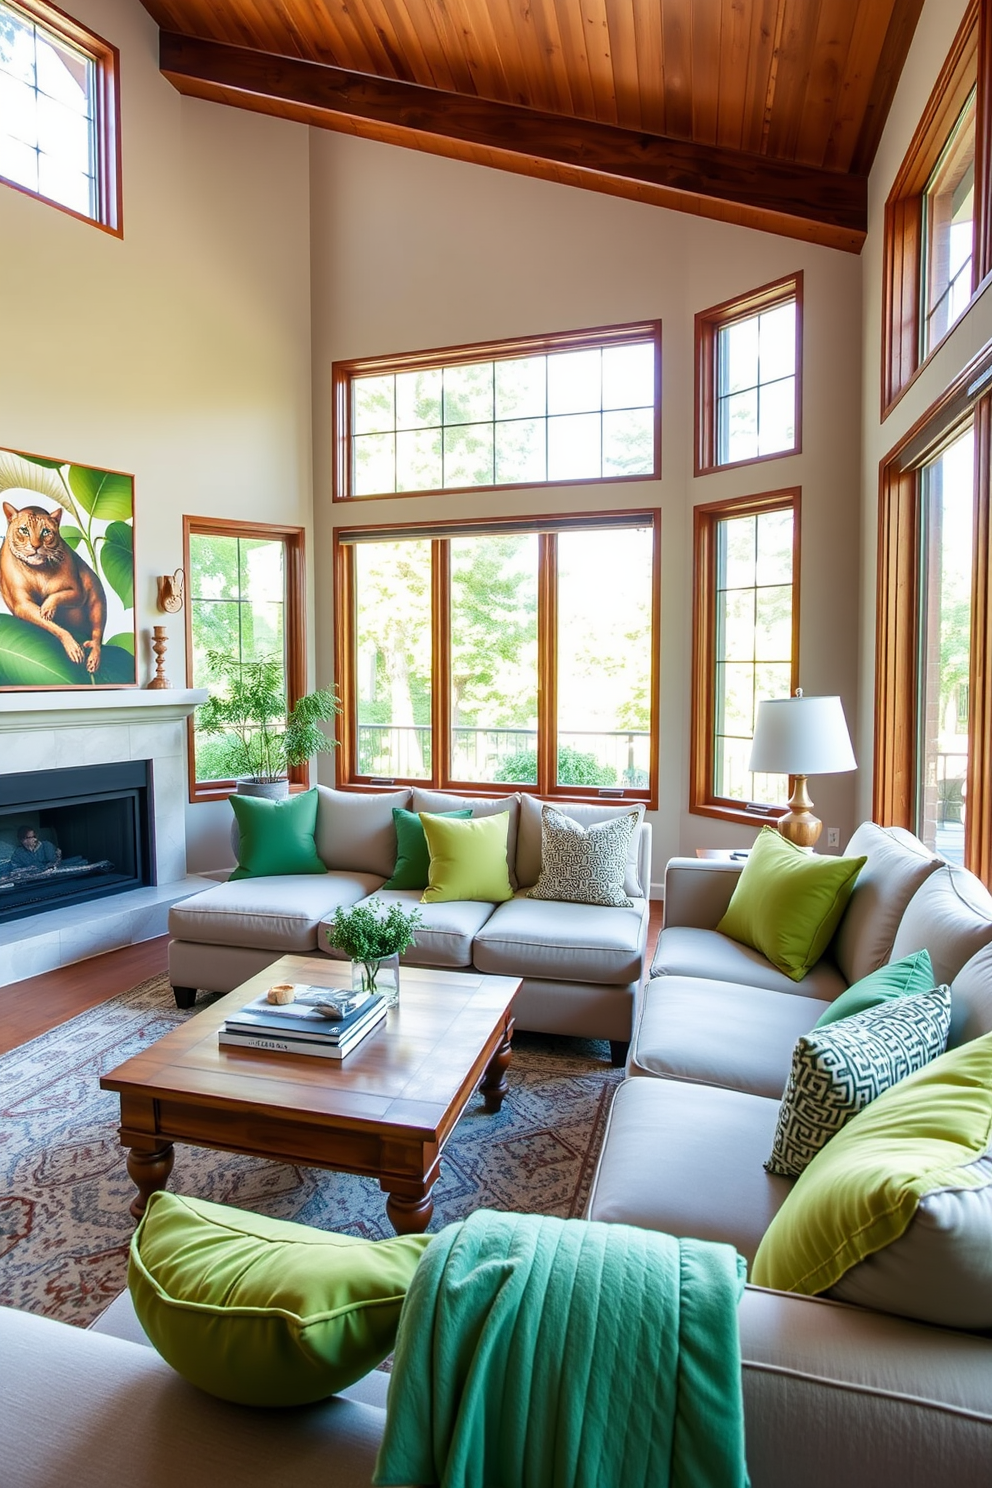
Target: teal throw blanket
{"x": 546, "y": 1353}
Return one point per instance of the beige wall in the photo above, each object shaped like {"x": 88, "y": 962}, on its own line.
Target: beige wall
{"x": 411, "y": 251}
{"x": 931, "y": 44}
{"x": 182, "y": 353}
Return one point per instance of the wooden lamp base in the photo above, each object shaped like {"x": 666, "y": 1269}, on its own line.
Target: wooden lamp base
{"x": 799, "y": 825}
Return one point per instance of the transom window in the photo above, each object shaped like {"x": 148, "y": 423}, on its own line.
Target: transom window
{"x": 244, "y": 605}
{"x": 948, "y": 231}
{"x": 58, "y": 110}
{"x": 545, "y": 410}
{"x": 748, "y": 355}
{"x": 747, "y": 575}
{"x": 514, "y": 655}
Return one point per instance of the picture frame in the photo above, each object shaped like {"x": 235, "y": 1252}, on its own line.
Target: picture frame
{"x": 67, "y": 613}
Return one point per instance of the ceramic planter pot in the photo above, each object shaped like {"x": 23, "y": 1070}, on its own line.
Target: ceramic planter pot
{"x": 272, "y": 790}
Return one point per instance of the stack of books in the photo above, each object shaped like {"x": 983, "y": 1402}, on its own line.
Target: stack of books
{"x": 300, "y": 1027}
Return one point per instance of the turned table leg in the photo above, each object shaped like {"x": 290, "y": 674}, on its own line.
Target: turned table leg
{"x": 149, "y": 1169}
{"x": 410, "y": 1214}
{"x": 494, "y": 1086}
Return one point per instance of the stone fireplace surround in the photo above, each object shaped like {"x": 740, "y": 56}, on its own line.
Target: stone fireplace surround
{"x": 56, "y": 730}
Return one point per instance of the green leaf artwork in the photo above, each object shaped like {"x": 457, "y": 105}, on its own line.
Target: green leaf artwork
{"x": 117, "y": 558}
{"x": 84, "y": 593}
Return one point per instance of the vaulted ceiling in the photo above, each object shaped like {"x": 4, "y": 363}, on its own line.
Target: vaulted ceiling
{"x": 764, "y": 112}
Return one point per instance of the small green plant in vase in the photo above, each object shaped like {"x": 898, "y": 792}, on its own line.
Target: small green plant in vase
{"x": 374, "y": 943}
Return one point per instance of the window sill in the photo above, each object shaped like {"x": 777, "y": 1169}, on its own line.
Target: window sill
{"x": 742, "y": 815}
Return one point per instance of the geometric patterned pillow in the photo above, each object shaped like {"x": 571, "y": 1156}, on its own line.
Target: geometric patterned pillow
{"x": 584, "y": 865}
{"x": 838, "y": 1069}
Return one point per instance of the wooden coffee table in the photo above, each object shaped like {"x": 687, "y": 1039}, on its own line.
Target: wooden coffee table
{"x": 384, "y": 1111}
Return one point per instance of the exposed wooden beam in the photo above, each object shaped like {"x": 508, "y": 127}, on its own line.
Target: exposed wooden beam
{"x": 756, "y": 190}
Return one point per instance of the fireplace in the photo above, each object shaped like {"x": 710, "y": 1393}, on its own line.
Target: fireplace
{"x": 68, "y": 836}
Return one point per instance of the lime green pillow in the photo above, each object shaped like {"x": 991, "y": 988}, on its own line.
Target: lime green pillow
{"x": 276, "y": 836}
{"x": 788, "y": 903}
{"x": 899, "y": 979}
{"x": 263, "y": 1311}
{"x": 861, "y": 1191}
{"x": 468, "y": 859}
{"x": 413, "y": 860}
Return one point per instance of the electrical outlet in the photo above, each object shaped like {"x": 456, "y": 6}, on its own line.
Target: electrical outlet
{"x": 833, "y": 836}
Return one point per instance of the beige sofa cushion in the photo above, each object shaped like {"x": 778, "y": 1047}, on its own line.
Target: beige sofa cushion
{"x": 427, "y": 800}
{"x": 719, "y": 1033}
{"x": 447, "y": 933}
{"x": 971, "y": 999}
{"x": 950, "y": 915}
{"x": 545, "y": 938}
{"x": 685, "y": 951}
{"x": 278, "y": 914}
{"x": 687, "y": 1159}
{"x": 897, "y": 865}
{"x": 355, "y": 832}
{"x": 529, "y": 837}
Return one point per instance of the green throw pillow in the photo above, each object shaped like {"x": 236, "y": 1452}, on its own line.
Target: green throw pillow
{"x": 276, "y": 836}
{"x": 413, "y": 860}
{"x": 899, "y": 979}
{"x": 788, "y": 903}
{"x": 263, "y": 1311}
{"x": 859, "y": 1195}
{"x": 468, "y": 859}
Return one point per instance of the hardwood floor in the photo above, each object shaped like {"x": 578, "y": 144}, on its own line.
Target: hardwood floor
{"x": 33, "y": 1006}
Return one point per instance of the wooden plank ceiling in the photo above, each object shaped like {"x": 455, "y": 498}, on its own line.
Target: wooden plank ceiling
{"x": 764, "y": 112}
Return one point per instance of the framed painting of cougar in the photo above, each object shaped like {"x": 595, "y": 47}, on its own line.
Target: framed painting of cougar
{"x": 67, "y": 615}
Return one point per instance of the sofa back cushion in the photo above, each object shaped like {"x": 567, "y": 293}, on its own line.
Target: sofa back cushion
{"x": 355, "y": 829}
{"x": 950, "y": 915}
{"x": 971, "y": 999}
{"x": 437, "y": 802}
{"x": 529, "y": 837}
{"x": 897, "y": 865}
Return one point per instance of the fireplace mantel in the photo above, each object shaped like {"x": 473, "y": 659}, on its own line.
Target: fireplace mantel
{"x": 94, "y": 707}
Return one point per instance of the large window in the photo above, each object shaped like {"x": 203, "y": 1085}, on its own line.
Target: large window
{"x": 58, "y": 111}
{"x": 933, "y": 679}
{"x": 507, "y": 655}
{"x": 936, "y": 217}
{"x": 244, "y": 604}
{"x": 546, "y": 410}
{"x": 745, "y": 646}
{"x": 748, "y": 377}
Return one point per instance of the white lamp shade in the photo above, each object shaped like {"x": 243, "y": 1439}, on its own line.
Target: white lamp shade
{"x": 801, "y": 736}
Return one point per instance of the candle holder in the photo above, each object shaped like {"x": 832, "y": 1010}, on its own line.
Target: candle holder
{"x": 160, "y": 642}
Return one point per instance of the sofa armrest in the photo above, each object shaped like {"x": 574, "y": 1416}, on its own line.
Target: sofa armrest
{"x": 644, "y": 858}
{"x": 698, "y": 890}
{"x": 839, "y": 1394}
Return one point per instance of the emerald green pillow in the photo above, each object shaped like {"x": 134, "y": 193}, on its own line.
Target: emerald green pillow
{"x": 788, "y": 903}
{"x": 899, "y": 979}
{"x": 413, "y": 860}
{"x": 276, "y": 836}
{"x": 925, "y": 1137}
{"x": 263, "y": 1311}
{"x": 468, "y": 859}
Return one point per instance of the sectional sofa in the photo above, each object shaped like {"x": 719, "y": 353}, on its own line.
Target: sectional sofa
{"x": 834, "y": 1391}
{"x": 582, "y": 965}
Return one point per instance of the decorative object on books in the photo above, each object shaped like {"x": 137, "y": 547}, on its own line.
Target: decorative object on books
{"x": 67, "y": 617}
{"x": 261, "y": 1311}
{"x": 374, "y": 943}
{"x": 276, "y": 837}
{"x": 261, "y": 741}
{"x": 281, "y": 993}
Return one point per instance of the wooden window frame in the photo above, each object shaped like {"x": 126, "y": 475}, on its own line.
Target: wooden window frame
{"x": 343, "y": 374}
{"x": 294, "y": 621}
{"x": 109, "y": 216}
{"x": 898, "y": 620}
{"x": 968, "y": 65}
{"x": 547, "y": 528}
{"x": 703, "y": 800}
{"x": 709, "y": 323}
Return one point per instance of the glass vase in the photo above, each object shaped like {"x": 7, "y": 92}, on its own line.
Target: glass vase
{"x": 380, "y": 977}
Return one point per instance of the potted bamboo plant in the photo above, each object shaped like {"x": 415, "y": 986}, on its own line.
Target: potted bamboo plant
{"x": 258, "y": 740}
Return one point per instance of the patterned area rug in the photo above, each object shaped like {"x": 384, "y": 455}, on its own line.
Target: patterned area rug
{"x": 65, "y": 1191}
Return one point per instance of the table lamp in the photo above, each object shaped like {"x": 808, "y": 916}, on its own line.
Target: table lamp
{"x": 801, "y": 736}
